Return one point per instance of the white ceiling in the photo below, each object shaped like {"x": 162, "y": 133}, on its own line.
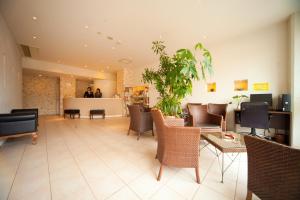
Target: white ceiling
{"x": 62, "y": 35}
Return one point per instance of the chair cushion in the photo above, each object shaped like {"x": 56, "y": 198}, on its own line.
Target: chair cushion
{"x": 71, "y": 111}
{"x": 98, "y": 111}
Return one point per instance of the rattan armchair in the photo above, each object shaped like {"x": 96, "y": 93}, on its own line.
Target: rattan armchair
{"x": 177, "y": 146}
{"x": 273, "y": 170}
{"x": 140, "y": 121}
{"x": 219, "y": 109}
{"x": 201, "y": 118}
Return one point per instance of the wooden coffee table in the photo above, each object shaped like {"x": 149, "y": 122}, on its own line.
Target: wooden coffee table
{"x": 225, "y": 145}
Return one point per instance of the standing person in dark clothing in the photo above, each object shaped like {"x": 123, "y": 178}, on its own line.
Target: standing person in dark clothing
{"x": 88, "y": 93}
{"x": 98, "y": 93}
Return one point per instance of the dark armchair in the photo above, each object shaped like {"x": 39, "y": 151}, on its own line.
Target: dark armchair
{"x": 273, "y": 170}
{"x": 18, "y": 124}
{"x": 219, "y": 109}
{"x": 140, "y": 121}
{"x": 201, "y": 118}
{"x": 255, "y": 115}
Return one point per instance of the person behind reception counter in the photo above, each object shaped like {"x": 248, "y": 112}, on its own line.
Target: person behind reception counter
{"x": 88, "y": 93}
{"x": 98, "y": 93}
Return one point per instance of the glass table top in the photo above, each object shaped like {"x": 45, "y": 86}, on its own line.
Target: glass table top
{"x": 226, "y": 141}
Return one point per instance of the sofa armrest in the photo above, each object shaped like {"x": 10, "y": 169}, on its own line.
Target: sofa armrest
{"x": 16, "y": 117}
{"x": 27, "y": 112}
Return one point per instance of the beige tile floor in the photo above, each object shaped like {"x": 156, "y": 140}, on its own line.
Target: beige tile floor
{"x": 83, "y": 159}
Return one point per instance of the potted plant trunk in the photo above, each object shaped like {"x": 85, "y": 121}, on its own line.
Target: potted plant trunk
{"x": 173, "y": 79}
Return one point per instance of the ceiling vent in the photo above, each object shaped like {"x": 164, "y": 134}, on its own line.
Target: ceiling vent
{"x": 125, "y": 61}
{"x": 25, "y": 50}
{"x": 29, "y": 51}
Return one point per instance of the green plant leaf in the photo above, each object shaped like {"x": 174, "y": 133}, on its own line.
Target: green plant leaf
{"x": 173, "y": 79}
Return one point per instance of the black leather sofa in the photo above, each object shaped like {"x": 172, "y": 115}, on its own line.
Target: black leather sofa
{"x": 28, "y": 111}
{"x": 18, "y": 124}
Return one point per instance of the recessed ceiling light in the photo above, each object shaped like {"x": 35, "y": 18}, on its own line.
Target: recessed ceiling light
{"x": 34, "y": 37}
{"x": 110, "y": 38}
{"x": 34, "y": 18}
{"x": 118, "y": 42}
{"x": 86, "y": 26}
{"x": 85, "y": 45}
{"x": 40, "y": 75}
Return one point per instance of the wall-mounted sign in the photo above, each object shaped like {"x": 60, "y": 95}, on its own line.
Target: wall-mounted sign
{"x": 261, "y": 86}
{"x": 241, "y": 85}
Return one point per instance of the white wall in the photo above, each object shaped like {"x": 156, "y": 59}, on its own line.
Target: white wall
{"x": 10, "y": 71}
{"x": 260, "y": 56}
{"x": 40, "y": 65}
{"x": 107, "y": 87}
{"x": 295, "y": 78}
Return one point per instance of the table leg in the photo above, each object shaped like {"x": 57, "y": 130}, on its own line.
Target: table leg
{"x": 222, "y": 167}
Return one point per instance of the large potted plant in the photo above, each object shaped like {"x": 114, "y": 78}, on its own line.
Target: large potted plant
{"x": 173, "y": 79}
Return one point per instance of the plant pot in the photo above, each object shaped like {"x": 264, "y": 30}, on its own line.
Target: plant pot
{"x": 173, "y": 121}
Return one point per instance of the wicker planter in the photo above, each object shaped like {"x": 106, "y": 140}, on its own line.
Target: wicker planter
{"x": 173, "y": 121}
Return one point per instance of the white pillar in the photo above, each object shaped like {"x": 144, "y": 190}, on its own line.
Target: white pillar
{"x": 295, "y": 78}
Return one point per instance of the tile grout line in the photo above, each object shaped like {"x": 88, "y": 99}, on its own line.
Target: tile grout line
{"x": 92, "y": 150}
{"x": 237, "y": 178}
{"x": 80, "y": 171}
{"x": 194, "y": 195}
{"x": 19, "y": 164}
{"x": 127, "y": 184}
{"x": 159, "y": 189}
{"x": 46, "y": 142}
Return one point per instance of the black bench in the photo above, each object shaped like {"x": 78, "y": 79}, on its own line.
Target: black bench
{"x": 97, "y": 112}
{"x": 72, "y": 113}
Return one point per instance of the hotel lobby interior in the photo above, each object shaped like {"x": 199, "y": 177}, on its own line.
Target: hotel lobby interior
{"x": 161, "y": 99}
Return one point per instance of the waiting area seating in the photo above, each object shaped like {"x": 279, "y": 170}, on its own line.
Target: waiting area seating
{"x": 72, "y": 113}
{"x": 273, "y": 170}
{"x": 140, "y": 120}
{"x": 28, "y": 111}
{"x": 200, "y": 117}
{"x": 219, "y": 109}
{"x": 21, "y": 122}
{"x": 97, "y": 112}
{"x": 177, "y": 146}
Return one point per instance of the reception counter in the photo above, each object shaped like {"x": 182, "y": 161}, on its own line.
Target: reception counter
{"x": 113, "y": 106}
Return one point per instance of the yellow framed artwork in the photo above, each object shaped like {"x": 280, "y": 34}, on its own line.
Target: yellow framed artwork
{"x": 241, "y": 85}
{"x": 264, "y": 86}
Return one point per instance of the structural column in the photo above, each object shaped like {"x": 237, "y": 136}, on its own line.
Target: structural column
{"x": 295, "y": 78}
